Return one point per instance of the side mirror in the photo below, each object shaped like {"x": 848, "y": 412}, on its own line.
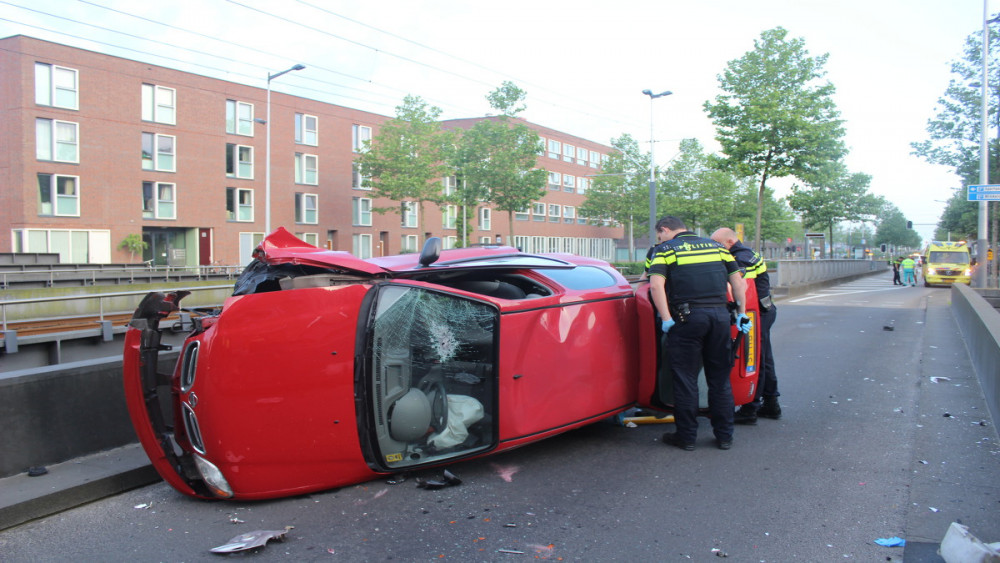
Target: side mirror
{"x": 431, "y": 251}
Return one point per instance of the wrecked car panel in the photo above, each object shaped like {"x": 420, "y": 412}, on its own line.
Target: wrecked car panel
{"x": 324, "y": 370}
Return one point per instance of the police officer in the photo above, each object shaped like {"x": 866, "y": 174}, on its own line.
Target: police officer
{"x": 687, "y": 279}
{"x": 756, "y": 269}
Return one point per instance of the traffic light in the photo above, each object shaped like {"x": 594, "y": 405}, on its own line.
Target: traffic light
{"x": 883, "y": 247}
{"x": 909, "y": 224}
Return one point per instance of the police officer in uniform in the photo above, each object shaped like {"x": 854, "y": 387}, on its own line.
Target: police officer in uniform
{"x": 687, "y": 279}
{"x": 765, "y": 402}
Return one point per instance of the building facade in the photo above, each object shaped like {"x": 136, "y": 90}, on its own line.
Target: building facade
{"x": 96, "y": 150}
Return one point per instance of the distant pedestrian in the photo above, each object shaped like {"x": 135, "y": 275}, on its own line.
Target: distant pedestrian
{"x": 907, "y": 265}
{"x": 895, "y": 271}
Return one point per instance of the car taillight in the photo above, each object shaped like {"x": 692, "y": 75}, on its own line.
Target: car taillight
{"x": 189, "y": 366}
{"x": 192, "y": 429}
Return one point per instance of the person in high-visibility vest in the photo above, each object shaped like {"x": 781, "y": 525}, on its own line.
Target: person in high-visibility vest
{"x": 907, "y": 265}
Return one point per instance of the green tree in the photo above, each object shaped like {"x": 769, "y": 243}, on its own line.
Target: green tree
{"x": 496, "y": 157}
{"x": 777, "y": 219}
{"x": 702, "y": 194}
{"x": 621, "y": 191}
{"x": 836, "y": 195}
{"x": 960, "y": 219}
{"x": 404, "y": 161}
{"x": 134, "y": 244}
{"x": 892, "y": 229}
{"x": 955, "y": 136}
{"x": 776, "y": 117}
{"x": 955, "y": 131}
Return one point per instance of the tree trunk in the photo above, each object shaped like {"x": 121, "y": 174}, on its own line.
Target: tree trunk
{"x": 760, "y": 200}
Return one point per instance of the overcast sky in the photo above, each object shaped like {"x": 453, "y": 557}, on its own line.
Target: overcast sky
{"x": 583, "y": 63}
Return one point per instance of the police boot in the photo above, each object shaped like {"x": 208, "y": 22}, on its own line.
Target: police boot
{"x": 771, "y": 409}
{"x": 746, "y": 415}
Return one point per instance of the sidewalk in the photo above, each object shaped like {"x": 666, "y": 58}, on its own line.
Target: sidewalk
{"x": 72, "y": 483}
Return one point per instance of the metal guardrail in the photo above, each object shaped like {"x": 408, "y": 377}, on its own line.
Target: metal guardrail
{"x": 100, "y": 297}
{"x": 93, "y": 275}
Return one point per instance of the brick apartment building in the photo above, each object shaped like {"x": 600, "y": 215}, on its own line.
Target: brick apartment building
{"x": 95, "y": 148}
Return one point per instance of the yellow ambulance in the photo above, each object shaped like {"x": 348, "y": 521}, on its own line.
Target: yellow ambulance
{"x": 945, "y": 263}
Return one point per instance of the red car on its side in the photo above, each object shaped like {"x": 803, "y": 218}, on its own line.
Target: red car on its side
{"x": 324, "y": 370}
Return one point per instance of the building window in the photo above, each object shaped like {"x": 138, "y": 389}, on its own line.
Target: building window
{"x": 306, "y": 169}
{"x": 158, "y": 201}
{"x": 487, "y": 241}
{"x": 555, "y": 211}
{"x": 361, "y": 245}
{"x": 73, "y": 246}
{"x": 555, "y": 149}
{"x": 449, "y": 216}
{"x": 582, "y": 184}
{"x": 569, "y": 153}
{"x": 58, "y": 195}
{"x": 159, "y": 104}
{"x": 449, "y": 242}
{"x": 521, "y": 215}
{"x": 361, "y": 212}
{"x": 408, "y": 213}
{"x": 239, "y": 204}
{"x": 542, "y": 143}
{"x": 581, "y": 155}
{"x": 408, "y": 243}
{"x": 538, "y": 211}
{"x": 306, "y": 208}
{"x": 360, "y": 137}
{"x": 158, "y": 152}
{"x": 555, "y": 180}
{"x": 450, "y": 183}
{"x": 56, "y": 86}
{"x": 359, "y": 182}
{"x": 485, "y": 219}
{"x": 239, "y": 161}
{"x": 595, "y": 159}
{"x": 239, "y": 118}
{"x": 306, "y": 129}
{"x": 569, "y": 214}
{"x": 57, "y": 140}
{"x": 569, "y": 183}
{"x": 580, "y": 219}
{"x": 309, "y": 238}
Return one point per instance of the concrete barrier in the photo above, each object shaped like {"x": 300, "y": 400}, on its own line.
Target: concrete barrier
{"x": 980, "y": 326}
{"x": 795, "y": 276}
{"x": 57, "y": 413}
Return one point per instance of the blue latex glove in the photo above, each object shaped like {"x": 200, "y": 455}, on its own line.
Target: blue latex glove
{"x": 743, "y": 323}
{"x": 665, "y": 325}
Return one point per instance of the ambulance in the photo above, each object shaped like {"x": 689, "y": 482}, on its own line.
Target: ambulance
{"x": 945, "y": 263}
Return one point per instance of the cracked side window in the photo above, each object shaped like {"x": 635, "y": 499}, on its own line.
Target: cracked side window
{"x": 433, "y": 375}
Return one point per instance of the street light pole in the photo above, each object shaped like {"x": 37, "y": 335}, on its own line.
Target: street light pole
{"x": 267, "y": 164}
{"x": 652, "y": 166}
{"x": 979, "y": 279}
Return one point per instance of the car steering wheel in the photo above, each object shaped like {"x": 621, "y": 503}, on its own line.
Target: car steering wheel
{"x": 439, "y": 403}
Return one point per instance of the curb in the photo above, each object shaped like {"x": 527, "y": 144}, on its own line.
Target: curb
{"x": 73, "y": 483}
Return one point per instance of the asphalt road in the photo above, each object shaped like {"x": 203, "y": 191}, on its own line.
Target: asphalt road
{"x": 864, "y": 451}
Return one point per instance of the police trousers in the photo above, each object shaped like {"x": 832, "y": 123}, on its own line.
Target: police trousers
{"x": 703, "y": 340}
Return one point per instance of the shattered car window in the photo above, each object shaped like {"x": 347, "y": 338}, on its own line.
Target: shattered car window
{"x": 432, "y": 378}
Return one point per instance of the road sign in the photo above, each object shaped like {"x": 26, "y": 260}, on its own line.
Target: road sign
{"x": 984, "y": 192}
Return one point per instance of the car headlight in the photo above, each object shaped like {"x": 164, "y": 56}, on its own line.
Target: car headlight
{"x": 213, "y": 478}
{"x": 968, "y": 271}
{"x": 931, "y": 272}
